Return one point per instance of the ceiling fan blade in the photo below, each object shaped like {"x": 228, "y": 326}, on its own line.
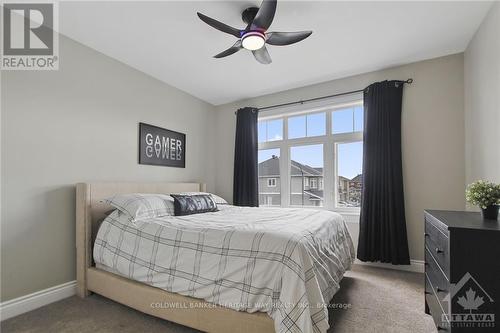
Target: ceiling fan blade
{"x": 264, "y": 16}
{"x": 233, "y": 49}
{"x": 220, "y": 26}
{"x": 286, "y": 38}
{"x": 262, "y": 56}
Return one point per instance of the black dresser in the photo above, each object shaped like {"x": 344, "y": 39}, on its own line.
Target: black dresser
{"x": 462, "y": 271}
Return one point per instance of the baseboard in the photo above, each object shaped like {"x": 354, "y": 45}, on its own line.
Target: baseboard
{"x": 20, "y": 305}
{"x": 415, "y": 265}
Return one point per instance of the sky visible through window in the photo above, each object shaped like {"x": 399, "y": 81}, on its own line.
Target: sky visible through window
{"x": 311, "y": 155}
{"x": 346, "y": 120}
{"x": 265, "y": 154}
{"x": 350, "y": 159}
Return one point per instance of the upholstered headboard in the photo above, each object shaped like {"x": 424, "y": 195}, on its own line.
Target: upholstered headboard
{"x": 90, "y": 211}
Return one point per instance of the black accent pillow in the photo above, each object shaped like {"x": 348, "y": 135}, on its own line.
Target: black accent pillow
{"x": 193, "y": 204}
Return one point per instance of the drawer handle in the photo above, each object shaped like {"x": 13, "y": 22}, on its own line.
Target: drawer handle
{"x": 439, "y": 328}
{"x": 438, "y": 250}
{"x": 426, "y": 234}
{"x": 439, "y": 290}
{"x": 427, "y": 292}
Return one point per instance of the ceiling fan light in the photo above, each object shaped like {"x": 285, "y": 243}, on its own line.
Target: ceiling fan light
{"x": 253, "y": 40}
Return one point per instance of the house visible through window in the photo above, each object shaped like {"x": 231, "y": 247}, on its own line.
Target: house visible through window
{"x": 350, "y": 178}
{"x": 312, "y": 158}
{"x": 306, "y": 162}
{"x": 269, "y": 177}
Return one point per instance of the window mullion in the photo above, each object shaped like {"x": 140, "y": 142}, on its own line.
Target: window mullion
{"x": 328, "y": 174}
{"x": 285, "y": 174}
{"x": 329, "y": 163}
{"x": 284, "y": 169}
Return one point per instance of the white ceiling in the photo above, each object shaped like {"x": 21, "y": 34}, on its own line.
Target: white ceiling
{"x": 166, "y": 40}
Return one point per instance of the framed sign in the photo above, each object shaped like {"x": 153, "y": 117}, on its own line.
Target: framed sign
{"x": 160, "y": 146}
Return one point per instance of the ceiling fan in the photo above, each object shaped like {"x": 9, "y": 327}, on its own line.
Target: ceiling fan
{"x": 255, "y": 36}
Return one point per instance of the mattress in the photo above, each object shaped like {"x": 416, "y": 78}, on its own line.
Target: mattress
{"x": 284, "y": 261}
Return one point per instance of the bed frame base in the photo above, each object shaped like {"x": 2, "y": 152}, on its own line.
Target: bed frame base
{"x": 180, "y": 309}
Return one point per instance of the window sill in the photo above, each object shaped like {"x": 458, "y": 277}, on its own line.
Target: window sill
{"x": 343, "y": 212}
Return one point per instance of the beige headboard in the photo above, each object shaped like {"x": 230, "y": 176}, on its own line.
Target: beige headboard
{"x": 90, "y": 211}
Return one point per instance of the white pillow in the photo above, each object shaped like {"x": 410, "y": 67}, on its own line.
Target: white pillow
{"x": 141, "y": 206}
{"x": 218, "y": 200}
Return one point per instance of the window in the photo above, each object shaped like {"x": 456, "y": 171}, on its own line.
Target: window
{"x": 307, "y": 125}
{"x": 270, "y": 130}
{"x": 269, "y": 176}
{"x": 347, "y": 120}
{"x": 306, "y": 162}
{"x": 349, "y": 174}
{"x": 312, "y": 158}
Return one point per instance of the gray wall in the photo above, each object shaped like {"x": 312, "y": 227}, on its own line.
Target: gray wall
{"x": 482, "y": 101}
{"x": 79, "y": 124}
{"x": 433, "y": 136}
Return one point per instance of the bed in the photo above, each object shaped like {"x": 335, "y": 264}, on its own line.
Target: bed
{"x": 238, "y": 269}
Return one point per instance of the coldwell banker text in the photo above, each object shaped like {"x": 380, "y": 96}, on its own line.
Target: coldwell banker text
{"x": 29, "y": 40}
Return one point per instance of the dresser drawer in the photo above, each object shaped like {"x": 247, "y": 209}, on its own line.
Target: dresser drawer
{"x": 435, "y": 281}
{"x": 436, "y": 240}
{"x": 436, "y": 312}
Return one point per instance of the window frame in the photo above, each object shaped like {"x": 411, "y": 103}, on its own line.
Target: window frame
{"x": 271, "y": 180}
{"x": 329, "y": 142}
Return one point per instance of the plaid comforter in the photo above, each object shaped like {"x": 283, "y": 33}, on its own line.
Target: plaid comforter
{"x": 286, "y": 262}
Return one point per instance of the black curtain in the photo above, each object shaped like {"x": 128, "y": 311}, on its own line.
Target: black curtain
{"x": 382, "y": 230}
{"x": 246, "y": 182}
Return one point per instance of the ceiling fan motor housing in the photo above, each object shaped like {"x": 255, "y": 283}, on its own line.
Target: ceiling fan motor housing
{"x": 249, "y": 14}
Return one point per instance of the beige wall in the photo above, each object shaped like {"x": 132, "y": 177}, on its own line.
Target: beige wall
{"x": 482, "y": 101}
{"x": 433, "y": 136}
{"x": 79, "y": 124}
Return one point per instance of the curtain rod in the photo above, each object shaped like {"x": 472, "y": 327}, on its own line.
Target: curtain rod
{"x": 408, "y": 81}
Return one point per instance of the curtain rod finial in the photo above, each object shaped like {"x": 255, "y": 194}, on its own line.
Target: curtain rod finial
{"x": 409, "y": 81}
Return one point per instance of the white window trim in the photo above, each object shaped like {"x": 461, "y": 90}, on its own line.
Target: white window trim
{"x": 329, "y": 142}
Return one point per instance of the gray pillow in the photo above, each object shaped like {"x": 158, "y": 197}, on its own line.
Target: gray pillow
{"x": 218, "y": 200}
{"x": 193, "y": 204}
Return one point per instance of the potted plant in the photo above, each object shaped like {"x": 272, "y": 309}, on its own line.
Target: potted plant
{"x": 486, "y": 195}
